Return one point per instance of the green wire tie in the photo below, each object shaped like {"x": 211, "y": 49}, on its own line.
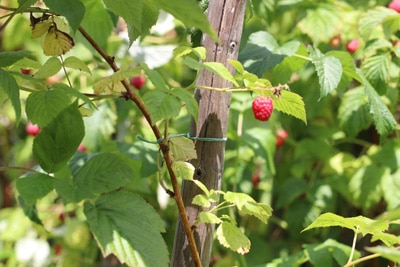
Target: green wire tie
{"x": 187, "y": 135}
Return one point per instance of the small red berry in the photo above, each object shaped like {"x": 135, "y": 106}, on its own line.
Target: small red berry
{"x": 255, "y": 179}
{"x": 352, "y": 46}
{"x": 395, "y": 5}
{"x": 32, "y": 129}
{"x": 396, "y": 43}
{"x": 262, "y": 108}
{"x": 58, "y": 249}
{"x": 26, "y": 71}
{"x": 138, "y": 82}
{"x": 82, "y": 148}
{"x": 61, "y": 217}
{"x": 281, "y": 136}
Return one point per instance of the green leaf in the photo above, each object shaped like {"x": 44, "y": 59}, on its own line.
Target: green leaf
{"x": 237, "y": 65}
{"x": 103, "y": 173}
{"x": 383, "y": 119}
{"x": 100, "y": 126}
{"x": 140, "y": 15}
{"x": 125, "y": 225}
{"x": 248, "y": 205}
{"x": 202, "y": 187}
{"x": 230, "y": 236}
{"x": 322, "y": 22}
{"x": 58, "y": 140}
{"x": 330, "y": 219}
{"x": 10, "y": 87}
{"x": 328, "y": 68}
{"x": 9, "y": 58}
{"x": 24, "y": 4}
{"x": 49, "y": 68}
{"x": 219, "y": 69}
{"x": 208, "y": 217}
{"x": 30, "y": 211}
{"x": 183, "y": 170}
{"x": 34, "y": 186}
{"x": 329, "y": 250}
{"x": 113, "y": 82}
{"x": 182, "y": 149}
{"x": 376, "y": 70}
{"x": 74, "y": 93}
{"x": 97, "y": 22}
{"x": 282, "y": 72}
{"x": 262, "y": 52}
{"x": 357, "y": 224}
{"x": 365, "y": 185}
{"x": 161, "y": 105}
{"x": 155, "y": 77}
{"x": 353, "y": 111}
{"x": 202, "y": 201}
{"x": 393, "y": 254}
{"x": 43, "y": 106}
{"x": 77, "y": 64}
{"x": 348, "y": 66}
{"x": 189, "y": 12}
{"x": 372, "y": 19}
{"x": 73, "y": 10}
{"x": 291, "y": 104}
{"x": 189, "y": 100}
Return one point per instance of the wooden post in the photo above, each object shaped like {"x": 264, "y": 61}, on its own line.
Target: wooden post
{"x": 226, "y": 17}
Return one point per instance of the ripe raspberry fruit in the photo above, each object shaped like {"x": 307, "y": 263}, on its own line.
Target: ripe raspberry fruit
{"x": 262, "y": 108}
{"x": 138, "y": 82}
{"x": 352, "y": 46}
{"x": 395, "y": 5}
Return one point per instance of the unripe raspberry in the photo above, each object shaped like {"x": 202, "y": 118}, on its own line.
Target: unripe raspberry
{"x": 262, "y": 108}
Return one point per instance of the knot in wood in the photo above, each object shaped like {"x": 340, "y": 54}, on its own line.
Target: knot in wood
{"x": 232, "y": 45}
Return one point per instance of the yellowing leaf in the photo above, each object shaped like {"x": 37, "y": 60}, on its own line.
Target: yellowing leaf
{"x": 182, "y": 148}
{"x": 183, "y": 170}
{"x": 40, "y": 28}
{"x": 230, "y": 236}
{"x": 57, "y": 42}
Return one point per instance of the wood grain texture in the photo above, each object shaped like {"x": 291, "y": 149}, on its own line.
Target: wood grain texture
{"x": 226, "y": 17}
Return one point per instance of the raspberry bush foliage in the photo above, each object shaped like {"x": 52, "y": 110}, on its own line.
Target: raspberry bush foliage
{"x": 96, "y": 178}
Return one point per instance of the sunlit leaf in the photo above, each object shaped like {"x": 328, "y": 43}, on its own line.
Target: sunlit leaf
{"x": 51, "y": 67}
{"x": 9, "y": 86}
{"x": 56, "y": 42}
{"x": 182, "y": 149}
{"x": 123, "y": 224}
{"x": 43, "y": 106}
{"x": 75, "y": 63}
{"x": 328, "y": 68}
{"x": 208, "y": 217}
{"x": 183, "y": 170}
{"x": 230, "y": 236}
{"x": 291, "y": 104}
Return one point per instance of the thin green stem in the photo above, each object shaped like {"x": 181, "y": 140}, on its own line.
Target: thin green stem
{"x": 353, "y": 247}
{"x": 302, "y": 57}
{"x": 65, "y": 71}
{"x": 19, "y": 169}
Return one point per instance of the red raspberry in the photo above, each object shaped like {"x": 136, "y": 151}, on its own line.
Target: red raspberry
{"x": 262, "y": 108}
{"x": 138, "y": 82}
{"x": 395, "y": 5}
{"x": 352, "y": 46}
